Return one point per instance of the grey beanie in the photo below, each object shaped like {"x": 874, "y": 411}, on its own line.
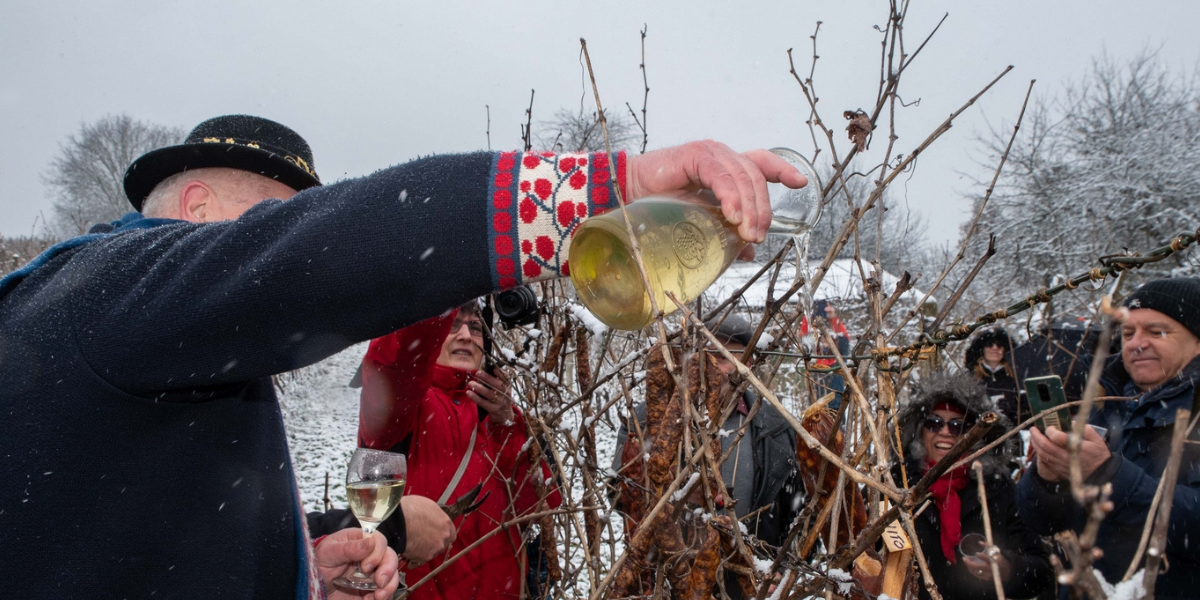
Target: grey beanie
{"x": 734, "y": 329}
{"x": 1177, "y": 298}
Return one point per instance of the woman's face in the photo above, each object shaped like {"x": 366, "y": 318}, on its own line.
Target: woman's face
{"x": 993, "y": 354}
{"x": 938, "y": 443}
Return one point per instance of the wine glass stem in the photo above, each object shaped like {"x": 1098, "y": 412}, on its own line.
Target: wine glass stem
{"x": 367, "y": 531}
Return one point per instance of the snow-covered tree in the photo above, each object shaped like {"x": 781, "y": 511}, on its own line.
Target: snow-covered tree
{"x": 577, "y": 131}
{"x": 902, "y": 231}
{"x": 1111, "y": 165}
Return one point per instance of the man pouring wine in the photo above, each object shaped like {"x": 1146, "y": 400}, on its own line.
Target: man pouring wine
{"x": 152, "y": 458}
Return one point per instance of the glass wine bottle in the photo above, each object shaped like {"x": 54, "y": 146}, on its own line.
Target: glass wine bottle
{"x": 686, "y": 245}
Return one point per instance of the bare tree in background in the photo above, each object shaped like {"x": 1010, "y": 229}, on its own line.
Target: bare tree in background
{"x": 576, "y": 131}
{"x": 902, "y": 235}
{"x": 86, "y": 176}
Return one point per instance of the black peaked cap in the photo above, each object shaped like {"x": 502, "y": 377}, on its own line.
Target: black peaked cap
{"x": 239, "y": 142}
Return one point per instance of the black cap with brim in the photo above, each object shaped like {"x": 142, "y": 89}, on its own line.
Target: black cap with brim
{"x": 238, "y": 142}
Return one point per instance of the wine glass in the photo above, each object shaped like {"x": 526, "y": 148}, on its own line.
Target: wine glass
{"x": 374, "y": 485}
{"x": 972, "y": 544}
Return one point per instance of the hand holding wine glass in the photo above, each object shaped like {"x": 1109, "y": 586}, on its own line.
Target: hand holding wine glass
{"x": 374, "y": 486}
{"x": 339, "y": 553}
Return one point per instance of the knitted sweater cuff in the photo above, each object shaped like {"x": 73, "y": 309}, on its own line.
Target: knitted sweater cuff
{"x": 536, "y": 200}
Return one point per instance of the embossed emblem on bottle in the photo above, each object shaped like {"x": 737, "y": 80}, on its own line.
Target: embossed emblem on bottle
{"x": 691, "y": 244}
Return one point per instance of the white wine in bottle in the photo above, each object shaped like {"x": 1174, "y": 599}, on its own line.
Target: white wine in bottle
{"x": 684, "y": 245}
{"x": 372, "y": 502}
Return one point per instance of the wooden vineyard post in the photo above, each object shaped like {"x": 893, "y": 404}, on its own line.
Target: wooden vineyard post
{"x": 899, "y": 560}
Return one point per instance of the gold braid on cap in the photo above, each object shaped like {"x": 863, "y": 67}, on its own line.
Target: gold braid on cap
{"x": 295, "y": 160}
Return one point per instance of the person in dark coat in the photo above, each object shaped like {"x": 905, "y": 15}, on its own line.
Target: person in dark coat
{"x": 761, "y": 472}
{"x": 1158, "y": 368}
{"x": 989, "y": 359}
{"x": 1064, "y": 349}
{"x": 941, "y": 411}
{"x": 143, "y": 448}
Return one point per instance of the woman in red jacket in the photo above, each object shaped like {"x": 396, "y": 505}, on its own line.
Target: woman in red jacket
{"x": 424, "y": 395}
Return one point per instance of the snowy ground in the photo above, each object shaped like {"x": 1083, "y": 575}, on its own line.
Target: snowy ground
{"x": 321, "y": 414}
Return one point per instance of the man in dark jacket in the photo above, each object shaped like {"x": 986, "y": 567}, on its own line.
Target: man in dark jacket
{"x": 142, "y": 446}
{"x": 761, "y": 472}
{"x": 1159, "y": 366}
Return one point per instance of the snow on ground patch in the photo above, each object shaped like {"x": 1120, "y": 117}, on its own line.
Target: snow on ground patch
{"x": 320, "y": 412}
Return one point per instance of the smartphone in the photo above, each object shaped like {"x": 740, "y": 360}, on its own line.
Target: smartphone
{"x": 1046, "y": 393}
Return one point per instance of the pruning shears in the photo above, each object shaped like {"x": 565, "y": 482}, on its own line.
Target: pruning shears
{"x": 465, "y": 503}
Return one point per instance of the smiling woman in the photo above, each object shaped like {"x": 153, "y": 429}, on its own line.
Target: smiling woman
{"x": 941, "y": 411}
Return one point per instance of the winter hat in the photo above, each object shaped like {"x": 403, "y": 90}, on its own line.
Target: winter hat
{"x": 1177, "y": 298}
{"x": 982, "y": 340}
{"x": 240, "y": 142}
{"x": 733, "y": 329}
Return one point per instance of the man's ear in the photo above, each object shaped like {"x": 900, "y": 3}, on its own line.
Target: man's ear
{"x": 197, "y": 202}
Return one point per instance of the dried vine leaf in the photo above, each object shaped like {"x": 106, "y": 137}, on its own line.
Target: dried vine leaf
{"x": 860, "y": 128}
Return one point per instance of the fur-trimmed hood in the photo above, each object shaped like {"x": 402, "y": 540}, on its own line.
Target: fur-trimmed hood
{"x": 982, "y": 340}
{"x": 964, "y": 390}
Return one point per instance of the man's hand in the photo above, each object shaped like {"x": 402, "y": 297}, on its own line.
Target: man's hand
{"x": 429, "y": 531}
{"x": 738, "y": 180}
{"x": 338, "y": 554}
{"x": 491, "y": 394}
{"x": 1053, "y": 459}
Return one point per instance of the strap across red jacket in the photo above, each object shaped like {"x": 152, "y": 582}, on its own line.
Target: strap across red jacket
{"x": 410, "y": 401}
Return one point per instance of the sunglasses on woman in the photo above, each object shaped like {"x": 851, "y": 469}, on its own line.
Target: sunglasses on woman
{"x": 935, "y": 424}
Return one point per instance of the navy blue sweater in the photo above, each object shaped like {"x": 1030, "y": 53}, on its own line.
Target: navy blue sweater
{"x": 1140, "y": 440}
{"x": 142, "y": 451}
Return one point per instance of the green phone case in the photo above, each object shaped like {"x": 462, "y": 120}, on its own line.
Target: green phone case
{"x": 1045, "y": 393}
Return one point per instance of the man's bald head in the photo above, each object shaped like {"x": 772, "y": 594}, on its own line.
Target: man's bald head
{"x": 211, "y": 194}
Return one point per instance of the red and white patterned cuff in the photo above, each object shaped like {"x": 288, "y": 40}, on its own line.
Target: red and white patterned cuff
{"x": 537, "y": 201}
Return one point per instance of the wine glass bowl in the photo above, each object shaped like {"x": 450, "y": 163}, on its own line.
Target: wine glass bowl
{"x": 374, "y": 485}
{"x": 972, "y": 544}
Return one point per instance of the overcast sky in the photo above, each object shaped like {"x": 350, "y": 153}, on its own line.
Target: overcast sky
{"x": 370, "y": 84}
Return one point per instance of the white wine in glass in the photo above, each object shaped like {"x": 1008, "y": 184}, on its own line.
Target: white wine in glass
{"x": 374, "y": 486}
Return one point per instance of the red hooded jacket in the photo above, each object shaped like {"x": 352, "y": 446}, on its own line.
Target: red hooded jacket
{"x": 406, "y": 396}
